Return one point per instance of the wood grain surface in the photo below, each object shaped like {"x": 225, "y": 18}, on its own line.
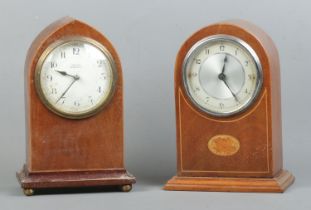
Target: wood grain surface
{"x": 257, "y": 129}
{"x": 56, "y": 144}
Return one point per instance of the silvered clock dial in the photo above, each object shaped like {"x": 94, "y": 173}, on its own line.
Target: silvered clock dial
{"x": 222, "y": 75}
{"x": 228, "y": 111}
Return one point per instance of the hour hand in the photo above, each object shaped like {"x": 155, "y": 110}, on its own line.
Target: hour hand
{"x": 66, "y": 74}
{"x": 62, "y": 72}
{"x": 223, "y": 67}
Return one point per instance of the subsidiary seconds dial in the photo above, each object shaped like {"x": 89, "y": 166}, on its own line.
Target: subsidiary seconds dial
{"x": 75, "y": 77}
{"x": 222, "y": 75}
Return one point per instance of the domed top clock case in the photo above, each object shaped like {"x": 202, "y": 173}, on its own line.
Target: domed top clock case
{"x": 74, "y": 110}
{"x": 228, "y": 111}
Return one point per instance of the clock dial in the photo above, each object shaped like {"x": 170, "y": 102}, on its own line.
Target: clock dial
{"x": 75, "y": 77}
{"x": 222, "y": 75}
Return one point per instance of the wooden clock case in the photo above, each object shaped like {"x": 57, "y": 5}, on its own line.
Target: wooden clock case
{"x": 65, "y": 152}
{"x": 255, "y": 134}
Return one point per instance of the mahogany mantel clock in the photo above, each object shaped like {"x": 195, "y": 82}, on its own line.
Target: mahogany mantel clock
{"x": 228, "y": 111}
{"x": 74, "y": 110}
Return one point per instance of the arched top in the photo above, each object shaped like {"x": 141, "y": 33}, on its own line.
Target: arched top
{"x": 46, "y": 131}
{"x": 66, "y": 26}
{"x": 255, "y": 37}
{"x": 259, "y": 40}
{"x": 250, "y": 32}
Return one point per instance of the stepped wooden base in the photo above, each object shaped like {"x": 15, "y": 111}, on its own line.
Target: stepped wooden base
{"x": 30, "y": 182}
{"x": 278, "y": 183}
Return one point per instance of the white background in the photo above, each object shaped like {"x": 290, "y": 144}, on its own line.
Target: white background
{"x": 147, "y": 36}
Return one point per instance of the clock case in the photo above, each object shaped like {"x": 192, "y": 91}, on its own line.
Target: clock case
{"x": 256, "y": 133}
{"x": 64, "y": 152}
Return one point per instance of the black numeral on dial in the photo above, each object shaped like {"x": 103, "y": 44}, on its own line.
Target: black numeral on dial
{"x": 54, "y": 91}
{"x": 53, "y": 64}
{"x": 76, "y": 103}
{"x": 100, "y": 63}
{"x": 75, "y": 51}
{"x": 63, "y": 55}
{"x": 198, "y": 61}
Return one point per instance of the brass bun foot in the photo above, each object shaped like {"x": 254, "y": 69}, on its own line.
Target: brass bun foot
{"x": 28, "y": 191}
{"x": 126, "y": 188}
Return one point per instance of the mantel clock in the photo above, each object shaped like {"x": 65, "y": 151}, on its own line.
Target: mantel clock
{"x": 228, "y": 111}
{"x": 74, "y": 110}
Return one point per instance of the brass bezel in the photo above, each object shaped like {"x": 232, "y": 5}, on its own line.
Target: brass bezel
{"x": 104, "y": 101}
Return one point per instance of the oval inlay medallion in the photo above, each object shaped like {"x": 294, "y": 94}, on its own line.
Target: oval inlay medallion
{"x": 224, "y": 145}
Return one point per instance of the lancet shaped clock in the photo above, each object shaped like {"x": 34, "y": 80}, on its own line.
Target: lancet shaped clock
{"x": 228, "y": 111}
{"x": 74, "y": 110}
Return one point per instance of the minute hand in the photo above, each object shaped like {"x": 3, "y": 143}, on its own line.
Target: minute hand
{"x": 75, "y": 79}
{"x": 223, "y": 67}
{"x": 226, "y": 83}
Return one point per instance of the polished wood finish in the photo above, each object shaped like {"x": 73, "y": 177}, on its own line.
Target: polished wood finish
{"x": 72, "y": 150}
{"x": 279, "y": 183}
{"x": 258, "y": 129}
{"x": 75, "y": 179}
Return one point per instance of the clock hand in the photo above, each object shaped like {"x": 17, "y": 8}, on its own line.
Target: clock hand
{"x": 223, "y": 78}
{"x": 75, "y": 78}
{"x": 223, "y": 68}
{"x": 66, "y": 74}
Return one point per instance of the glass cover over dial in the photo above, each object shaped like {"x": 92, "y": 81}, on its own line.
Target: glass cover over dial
{"x": 222, "y": 75}
{"x": 75, "y": 77}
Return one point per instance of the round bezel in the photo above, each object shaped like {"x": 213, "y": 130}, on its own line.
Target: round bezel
{"x": 79, "y": 115}
{"x": 197, "y": 47}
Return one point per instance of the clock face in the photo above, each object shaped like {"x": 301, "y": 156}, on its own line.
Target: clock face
{"x": 75, "y": 77}
{"x": 222, "y": 75}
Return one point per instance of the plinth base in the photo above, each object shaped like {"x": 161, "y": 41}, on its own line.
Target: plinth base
{"x": 278, "y": 183}
{"x": 30, "y": 182}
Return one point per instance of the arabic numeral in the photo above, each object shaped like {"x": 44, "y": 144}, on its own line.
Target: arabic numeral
{"x": 221, "y": 47}
{"x": 76, "y": 103}
{"x": 251, "y": 77}
{"x": 206, "y": 51}
{"x": 49, "y": 77}
{"x": 193, "y": 74}
{"x": 63, "y": 55}
{"x": 221, "y": 105}
{"x": 54, "y": 91}
{"x": 198, "y": 61}
{"x": 53, "y": 64}
{"x": 91, "y": 99}
{"x": 75, "y": 51}
{"x": 100, "y": 63}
